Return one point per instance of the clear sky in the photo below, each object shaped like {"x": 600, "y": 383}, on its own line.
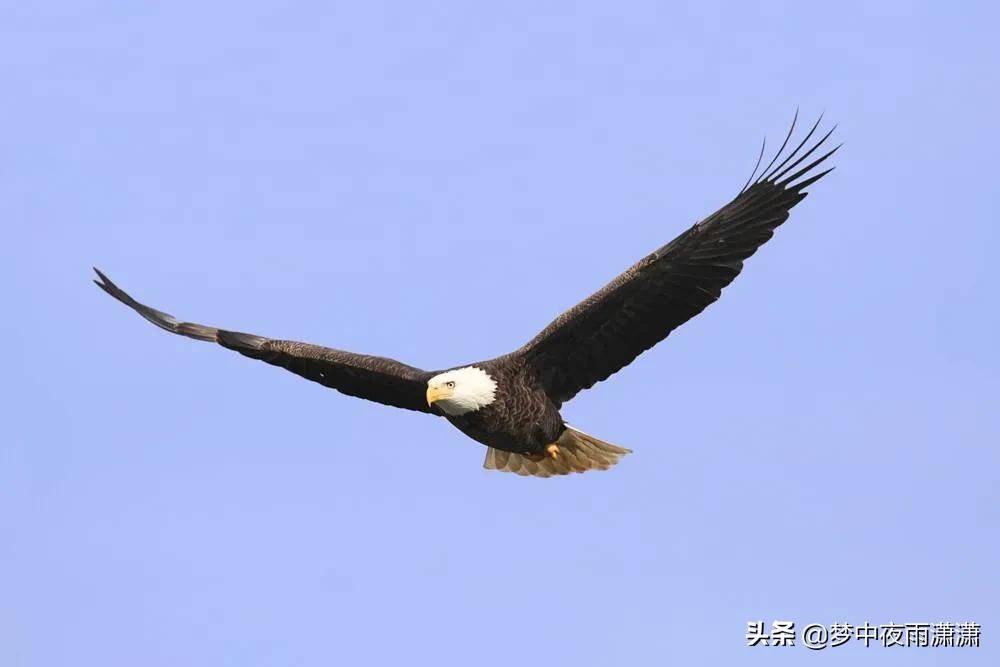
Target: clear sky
{"x": 435, "y": 182}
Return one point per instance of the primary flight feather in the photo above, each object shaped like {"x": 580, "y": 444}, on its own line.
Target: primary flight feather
{"x": 511, "y": 403}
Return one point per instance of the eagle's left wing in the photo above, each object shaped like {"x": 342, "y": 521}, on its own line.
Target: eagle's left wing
{"x": 639, "y": 308}
{"x": 385, "y": 381}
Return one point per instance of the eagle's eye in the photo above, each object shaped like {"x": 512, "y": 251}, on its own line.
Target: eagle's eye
{"x": 450, "y": 385}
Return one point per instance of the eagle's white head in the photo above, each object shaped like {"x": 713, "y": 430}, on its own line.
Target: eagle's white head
{"x": 461, "y": 390}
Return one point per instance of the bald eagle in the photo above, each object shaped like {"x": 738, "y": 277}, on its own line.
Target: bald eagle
{"x": 511, "y": 403}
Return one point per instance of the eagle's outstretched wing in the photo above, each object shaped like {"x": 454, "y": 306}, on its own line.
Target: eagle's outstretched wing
{"x": 374, "y": 378}
{"x": 639, "y": 308}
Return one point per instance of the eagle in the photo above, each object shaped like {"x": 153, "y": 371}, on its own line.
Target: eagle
{"x": 511, "y": 404}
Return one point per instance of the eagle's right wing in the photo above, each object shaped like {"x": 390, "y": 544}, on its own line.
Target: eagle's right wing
{"x": 639, "y": 308}
{"x": 373, "y": 378}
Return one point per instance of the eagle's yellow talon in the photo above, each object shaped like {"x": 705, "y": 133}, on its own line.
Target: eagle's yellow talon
{"x": 553, "y": 450}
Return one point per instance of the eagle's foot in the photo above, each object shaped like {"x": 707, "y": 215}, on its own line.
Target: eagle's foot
{"x": 551, "y": 452}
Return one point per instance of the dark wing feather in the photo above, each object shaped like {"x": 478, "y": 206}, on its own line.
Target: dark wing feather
{"x": 639, "y": 308}
{"x": 374, "y": 378}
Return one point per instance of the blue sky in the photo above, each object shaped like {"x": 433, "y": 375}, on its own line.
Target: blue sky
{"x": 435, "y": 182}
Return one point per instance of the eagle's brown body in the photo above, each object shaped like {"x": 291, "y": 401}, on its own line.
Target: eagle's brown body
{"x": 522, "y": 419}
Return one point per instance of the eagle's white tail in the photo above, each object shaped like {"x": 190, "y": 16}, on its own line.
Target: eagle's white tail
{"x": 578, "y": 452}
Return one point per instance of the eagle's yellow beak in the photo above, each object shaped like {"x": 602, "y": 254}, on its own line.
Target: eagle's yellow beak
{"x": 435, "y": 394}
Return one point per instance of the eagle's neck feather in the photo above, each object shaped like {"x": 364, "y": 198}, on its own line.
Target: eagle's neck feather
{"x": 474, "y": 390}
